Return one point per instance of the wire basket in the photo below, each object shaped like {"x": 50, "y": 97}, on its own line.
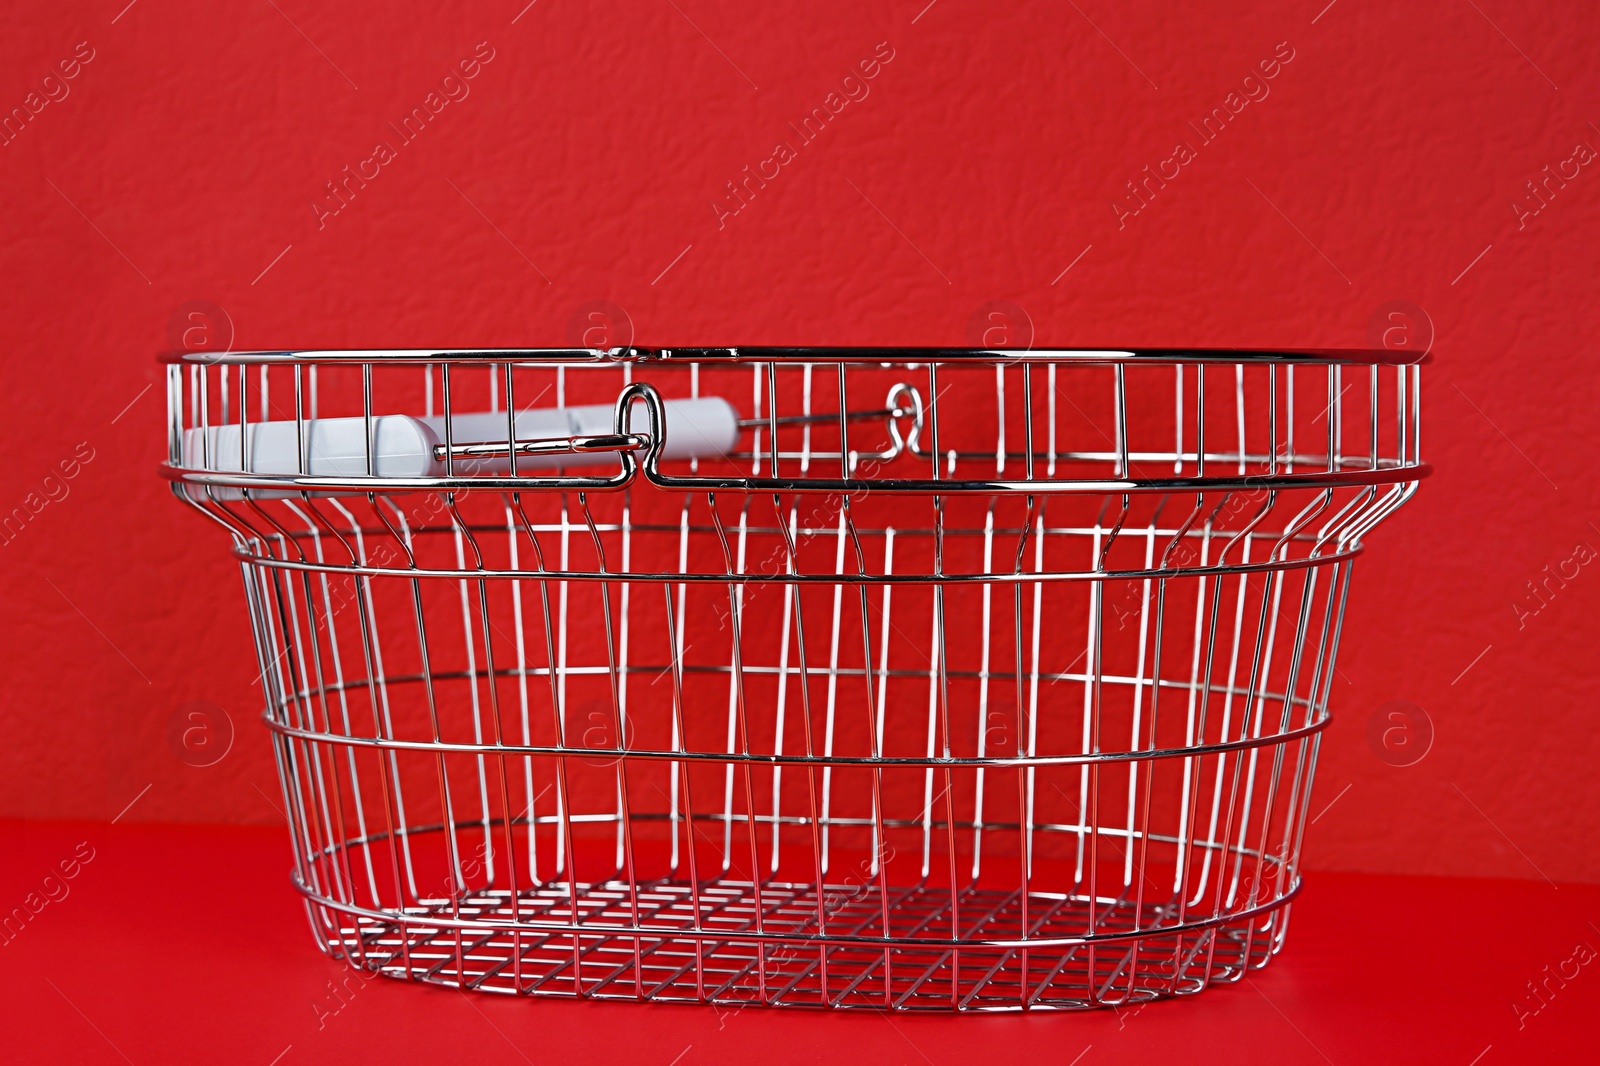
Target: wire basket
{"x": 889, "y": 678}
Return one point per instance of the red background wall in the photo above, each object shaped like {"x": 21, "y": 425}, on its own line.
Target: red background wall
{"x": 1382, "y": 166}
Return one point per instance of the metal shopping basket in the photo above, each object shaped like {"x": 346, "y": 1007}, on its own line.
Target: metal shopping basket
{"x": 892, "y": 678}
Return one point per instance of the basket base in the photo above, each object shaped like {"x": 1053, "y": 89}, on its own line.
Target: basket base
{"x": 640, "y": 958}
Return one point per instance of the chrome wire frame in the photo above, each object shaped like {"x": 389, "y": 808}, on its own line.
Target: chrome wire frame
{"x": 970, "y": 680}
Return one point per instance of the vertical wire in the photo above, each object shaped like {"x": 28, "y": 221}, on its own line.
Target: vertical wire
{"x": 677, "y": 647}
{"x": 564, "y": 839}
{"x": 833, "y": 686}
{"x": 528, "y": 807}
{"x": 1138, "y": 699}
{"x": 1031, "y": 774}
{"x": 624, "y": 851}
{"x": 491, "y": 674}
{"x": 321, "y": 689}
{"x": 1089, "y": 810}
{"x": 1025, "y": 858}
{"x": 1372, "y": 420}
{"x": 937, "y": 624}
{"x": 985, "y": 638}
{"x": 810, "y": 747}
{"x": 620, "y": 670}
{"x": 680, "y": 769}
{"x": 942, "y": 662}
{"x": 736, "y": 593}
{"x": 1091, "y": 671}
{"x": 788, "y": 618}
{"x": 513, "y": 556}
{"x": 1033, "y": 681}
{"x": 300, "y": 714}
{"x": 1288, "y": 418}
{"x": 382, "y": 723}
{"x": 818, "y": 855}
{"x": 1261, "y": 666}
{"x": 1194, "y": 728}
{"x": 1335, "y": 429}
{"x": 838, "y": 619}
{"x": 470, "y": 651}
{"x": 1261, "y": 685}
{"x": 985, "y": 641}
{"x": 878, "y": 864}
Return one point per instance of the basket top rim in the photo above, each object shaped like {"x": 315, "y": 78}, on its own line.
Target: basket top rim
{"x": 861, "y": 354}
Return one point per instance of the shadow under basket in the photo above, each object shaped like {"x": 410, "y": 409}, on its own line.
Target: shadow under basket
{"x": 889, "y": 678}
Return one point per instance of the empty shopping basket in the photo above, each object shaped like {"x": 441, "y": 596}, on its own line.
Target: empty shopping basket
{"x": 892, "y": 678}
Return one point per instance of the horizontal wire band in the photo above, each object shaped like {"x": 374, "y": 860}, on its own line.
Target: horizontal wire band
{"x": 812, "y": 672}
{"x": 1224, "y": 848}
{"x": 1027, "y": 577}
{"x": 988, "y": 762}
{"x": 998, "y": 356}
{"x": 852, "y": 487}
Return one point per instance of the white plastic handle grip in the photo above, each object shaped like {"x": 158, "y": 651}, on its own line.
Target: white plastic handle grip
{"x": 404, "y": 446}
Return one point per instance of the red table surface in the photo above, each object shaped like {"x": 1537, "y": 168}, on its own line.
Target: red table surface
{"x": 187, "y": 944}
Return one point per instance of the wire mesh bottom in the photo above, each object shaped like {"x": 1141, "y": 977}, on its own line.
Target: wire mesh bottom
{"x": 1131, "y": 958}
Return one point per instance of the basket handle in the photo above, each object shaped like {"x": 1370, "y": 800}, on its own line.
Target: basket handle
{"x": 491, "y": 443}
{"x": 599, "y": 442}
{"x": 402, "y": 452}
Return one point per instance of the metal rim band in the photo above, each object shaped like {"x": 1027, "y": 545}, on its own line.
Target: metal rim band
{"x": 1158, "y": 356}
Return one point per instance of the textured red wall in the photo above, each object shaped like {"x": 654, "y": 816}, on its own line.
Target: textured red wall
{"x": 184, "y": 157}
